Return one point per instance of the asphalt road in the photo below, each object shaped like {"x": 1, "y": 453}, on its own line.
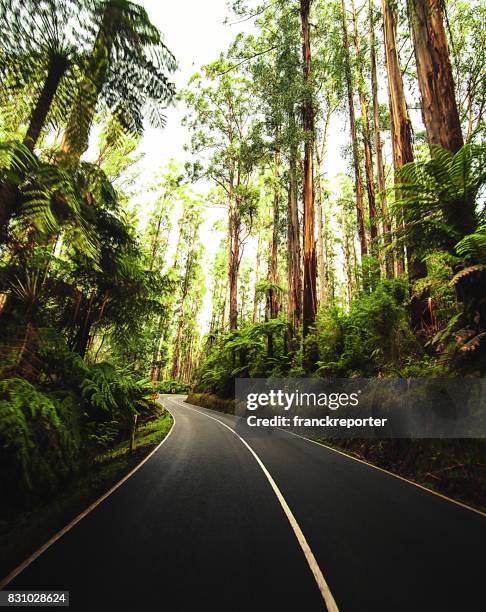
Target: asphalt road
{"x": 199, "y": 527}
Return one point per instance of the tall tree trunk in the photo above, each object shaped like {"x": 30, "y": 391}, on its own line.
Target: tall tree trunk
{"x": 272, "y": 307}
{"x": 176, "y": 360}
{"x": 348, "y": 266}
{"x": 294, "y": 277}
{"x": 257, "y": 278}
{"x": 380, "y": 166}
{"x": 323, "y": 263}
{"x": 82, "y": 338}
{"x": 321, "y": 250}
{"x": 234, "y": 262}
{"x": 187, "y": 363}
{"x": 309, "y": 251}
{"x": 401, "y": 131}
{"x": 401, "y": 127}
{"x": 273, "y": 268}
{"x": 354, "y": 138}
{"x": 155, "y": 371}
{"x": 329, "y": 259}
{"x": 225, "y": 309}
{"x": 57, "y": 69}
{"x": 439, "y": 107}
{"x": 156, "y": 241}
{"x": 370, "y": 177}
{"x": 165, "y": 325}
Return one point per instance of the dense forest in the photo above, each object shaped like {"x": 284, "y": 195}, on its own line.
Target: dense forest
{"x": 378, "y": 270}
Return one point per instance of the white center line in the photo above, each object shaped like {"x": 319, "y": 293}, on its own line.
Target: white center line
{"x": 309, "y": 555}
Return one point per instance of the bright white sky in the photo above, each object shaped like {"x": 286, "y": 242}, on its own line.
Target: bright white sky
{"x": 194, "y": 31}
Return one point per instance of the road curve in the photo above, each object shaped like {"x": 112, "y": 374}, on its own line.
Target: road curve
{"x": 200, "y": 526}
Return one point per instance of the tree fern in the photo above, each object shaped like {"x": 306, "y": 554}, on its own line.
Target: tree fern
{"x": 36, "y": 444}
{"x": 435, "y": 195}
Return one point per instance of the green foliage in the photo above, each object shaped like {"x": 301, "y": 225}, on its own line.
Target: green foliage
{"x": 435, "y": 194}
{"x": 111, "y": 390}
{"x": 244, "y": 353}
{"x": 36, "y": 35}
{"x": 126, "y": 73}
{"x": 373, "y": 338}
{"x": 473, "y": 246}
{"x": 39, "y": 438}
{"x": 49, "y": 432}
{"x": 80, "y": 288}
{"x": 172, "y": 386}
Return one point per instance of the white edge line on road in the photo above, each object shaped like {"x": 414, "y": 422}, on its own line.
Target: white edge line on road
{"x": 309, "y": 555}
{"x": 20, "y": 568}
{"x": 385, "y": 471}
{"x": 376, "y": 467}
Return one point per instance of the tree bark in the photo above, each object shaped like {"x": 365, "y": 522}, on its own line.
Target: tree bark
{"x": 321, "y": 252}
{"x": 273, "y": 268}
{"x": 309, "y": 251}
{"x": 177, "y": 350}
{"x": 380, "y": 166}
{"x": 354, "y": 138}
{"x": 57, "y": 69}
{"x": 294, "y": 278}
{"x": 439, "y": 108}
{"x": 401, "y": 131}
{"x": 234, "y": 262}
{"x": 257, "y": 278}
{"x": 348, "y": 266}
{"x": 155, "y": 371}
{"x": 436, "y": 83}
{"x": 370, "y": 178}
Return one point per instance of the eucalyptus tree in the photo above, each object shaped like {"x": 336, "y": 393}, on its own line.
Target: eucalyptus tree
{"x": 402, "y": 149}
{"x": 226, "y": 141}
{"x": 191, "y": 337}
{"x": 126, "y": 73}
{"x": 465, "y": 21}
{"x": 308, "y": 124}
{"x": 219, "y": 284}
{"x": 439, "y": 106}
{"x": 380, "y": 163}
{"x": 278, "y": 82}
{"x": 365, "y": 128}
{"x": 171, "y": 193}
{"x": 360, "y": 214}
{"x": 189, "y": 274}
{"x": 330, "y": 94}
{"x": 165, "y": 193}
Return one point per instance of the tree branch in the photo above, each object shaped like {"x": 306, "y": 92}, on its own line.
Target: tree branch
{"x": 247, "y": 59}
